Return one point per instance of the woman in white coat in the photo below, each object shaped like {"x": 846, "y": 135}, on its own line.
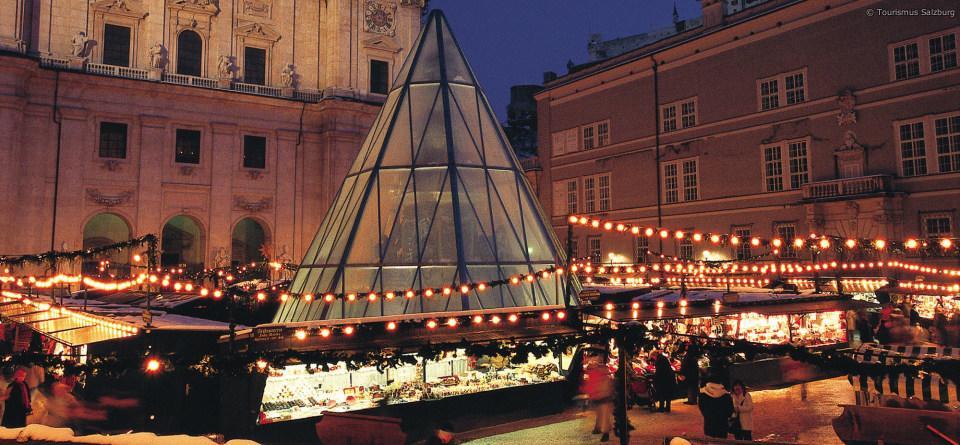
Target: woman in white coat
{"x": 743, "y": 410}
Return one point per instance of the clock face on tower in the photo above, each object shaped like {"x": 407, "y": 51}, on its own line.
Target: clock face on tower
{"x": 379, "y": 18}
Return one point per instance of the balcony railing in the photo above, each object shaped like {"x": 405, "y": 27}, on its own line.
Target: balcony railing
{"x": 193, "y": 81}
{"x": 305, "y": 94}
{"x": 847, "y": 187}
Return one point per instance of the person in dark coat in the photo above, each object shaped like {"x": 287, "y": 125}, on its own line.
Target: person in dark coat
{"x": 690, "y": 368}
{"x": 664, "y": 382}
{"x": 17, "y": 405}
{"x": 716, "y": 406}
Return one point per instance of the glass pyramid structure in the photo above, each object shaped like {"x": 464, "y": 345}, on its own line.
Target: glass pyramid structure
{"x": 435, "y": 198}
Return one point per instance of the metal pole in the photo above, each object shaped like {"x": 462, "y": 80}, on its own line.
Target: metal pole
{"x": 623, "y": 420}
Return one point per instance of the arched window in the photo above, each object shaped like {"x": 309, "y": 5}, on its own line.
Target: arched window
{"x": 189, "y": 53}
{"x": 182, "y": 244}
{"x": 102, "y": 230}
{"x": 249, "y": 238}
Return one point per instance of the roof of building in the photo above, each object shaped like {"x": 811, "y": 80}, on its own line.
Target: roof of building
{"x": 435, "y": 198}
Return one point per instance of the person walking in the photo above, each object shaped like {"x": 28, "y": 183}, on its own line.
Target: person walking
{"x": 716, "y": 407}
{"x": 17, "y": 405}
{"x": 598, "y": 385}
{"x": 690, "y": 368}
{"x": 664, "y": 382}
{"x": 743, "y": 412}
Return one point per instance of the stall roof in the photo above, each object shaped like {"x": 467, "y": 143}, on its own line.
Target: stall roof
{"x": 768, "y": 306}
{"x": 276, "y": 337}
{"x": 68, "y": 328}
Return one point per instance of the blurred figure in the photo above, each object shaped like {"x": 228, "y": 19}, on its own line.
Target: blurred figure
{"x": 743, "y": 409}
{"x": 716, "y": 406}
{"x": 864, "y": 327}
{"x": 598, "y": 384}
{"x": 6, "y": 377}
{"x": 664, "y": 382}
{"x": 442, "y": 435}
{"x": 690, "y": 368}
{"x": 64, "y": 409}
{"x": 17, "y": 403}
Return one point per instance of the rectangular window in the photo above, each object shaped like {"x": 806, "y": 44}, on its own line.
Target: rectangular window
{"x": 943, "y": 52}
{"x": 685, "y": 250}
{"x": 671, "y": 187}
{"x": 793, "y": 84}
{"x": 769, "y": 95}
{"x": 688, "y": 114}
{"x": 589, "y": 194}
{"x": 604, "y": 182}
{"x": 255, "y": 65}
{"x": 593, "y": 249}
{"x": 787, "y": 233}
{"x": 188, "y": 146}
{"x": 668, "y": 116}
{"x": 681, "y": 181}
{"x": 254, "y": 152}
{"x": 947, "y": 133}
{"x": 743, "y": 249}
{"x": 603, "y": 134}
{"x": 642, "y": 245}
{"x": 780, "y": 173}
{"x": 588, "y": 137}
{"x": 937, "y": 225}
{"x": 574, "y": 248}
{"x": 572, "y": 196}
{"x": 913, "y": 153}
{"x": 113, "y": 140}
{"x": 691, "y": 190}
{"x": 906, "y": 60}
{"x": 773, "y": 168}
{"x": 116, "y": 45}
{"x": 799, "y": 169}
{"x": 565, "y": 141}
{"x": 783, "y": 89}
{"x": 379, "y": 77}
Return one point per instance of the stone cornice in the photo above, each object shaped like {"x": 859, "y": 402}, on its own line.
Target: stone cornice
{"x": 288, "y": 135}
{"x": 12, "y": 102}
{"x": 73, "y": 113}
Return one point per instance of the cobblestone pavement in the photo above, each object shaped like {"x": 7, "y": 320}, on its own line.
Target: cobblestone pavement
{"x": 796, "y": 414}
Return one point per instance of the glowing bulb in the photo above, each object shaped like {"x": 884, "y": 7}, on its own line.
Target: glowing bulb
{"x": 261, "y": 296}
{"x": 308, "y": 297}
{"x": 481, "y": 286}
{"x": 428, "y": 292}
{"x": 946, "y": 243}
{"x": 204, "y": 292}
{"x": 880, "y": 244}
{"x": 477, "y": 319}
{"x": 262, "y": 364}
{"x": 348, "y": 330}
{"x": 391, "y": 326}
{"x": 452, "y": 322}
{"x": 217, "y": 293}
{"x": 734, "y": 240}
{"x": 372, "y": 296}
{"x": 755, "y": 242}
{"x": 798, "y": 243}
{"x": 776, "y": 242}
{"x": 513, "y": 318}
{"x": 390, "y": 296}
{"x": 136, "y": 258}
{"x": 464, "y": 289}
{"x": 648, "y": 232}
{"x": 561, "y": 315}
{"x": 850, "y": 243}
{"x": 678, "y": 234}
{"x": 664, "y": 233}
{"x": 545, "y": 316}
{"x": 300, "y": 334}
{"x": 824, "y": 243}
{"x": 153, "y": 365}
{"x": 573, "y": 219}
{"x": 284, "y": 297}
{"x": 431, "y": 324}
{"x": 325, "y": 332}
{"x": 911, "y": 243}
{"x": 495, "y": 319}
{"x": 715, "y": 239}
{"x": 409, "y": 294}
{"x": 697, "y": 237}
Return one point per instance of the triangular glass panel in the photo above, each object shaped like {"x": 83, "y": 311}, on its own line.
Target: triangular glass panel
{"x": 457, "y": 69}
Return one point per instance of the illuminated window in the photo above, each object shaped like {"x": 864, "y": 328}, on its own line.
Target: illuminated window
{"x": 787, "y": 233}
{"x": 743, "y": 249}
{"x": 642, "y": 246}
{"x": 593, "y": 249}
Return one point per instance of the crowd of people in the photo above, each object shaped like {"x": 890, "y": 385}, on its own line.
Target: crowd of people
{"x": 28, "y": 396}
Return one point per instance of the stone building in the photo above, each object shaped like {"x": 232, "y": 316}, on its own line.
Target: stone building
{"x": 224, "y": 126}
{"x": 779, "y": 118}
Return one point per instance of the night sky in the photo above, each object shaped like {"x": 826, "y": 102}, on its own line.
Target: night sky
{"x": 510, "y": 42}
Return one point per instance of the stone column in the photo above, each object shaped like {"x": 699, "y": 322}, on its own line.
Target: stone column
{"x": 75, "y": 144}
{"x": 224, "y": 145}
{"x": 153, "y": 137}
{"x": 285, "y": 194}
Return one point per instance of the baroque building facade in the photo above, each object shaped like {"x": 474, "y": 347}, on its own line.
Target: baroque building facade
{"x": 779, "y": 119}
{"x": 223, "y": 126}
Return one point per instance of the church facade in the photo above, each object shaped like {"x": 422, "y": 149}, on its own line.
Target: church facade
{"x": 224, "y": 127}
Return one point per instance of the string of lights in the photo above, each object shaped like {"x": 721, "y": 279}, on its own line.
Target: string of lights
{"x": 812, "y": 241}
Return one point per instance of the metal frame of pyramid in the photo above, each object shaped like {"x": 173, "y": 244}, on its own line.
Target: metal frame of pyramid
{"x": 435, "y": 198}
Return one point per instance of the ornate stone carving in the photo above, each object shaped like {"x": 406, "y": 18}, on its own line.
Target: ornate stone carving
{"x": 380, "y": 18}
{"x": 414, "y": 3}
{"x": 288, "y": 77}
{"x": 96, "y": 197}
{"x": 254, "y": 206}
{"x": 158, "y": 56}
{"x": 257, "y": 8}
{"x": 220, "y": 258}
{"x": 81, "y": 45}
{"x": 226, "y": 68}
{"x": 258, "y": 30}
{"x": 846, "y": 101}
{"x": 187, "y": 170}
{"x": 209, "y": 6}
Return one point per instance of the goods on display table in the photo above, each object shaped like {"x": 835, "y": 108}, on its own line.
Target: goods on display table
{"x": 811, "y": 329}
{"x": 298, "y": 392}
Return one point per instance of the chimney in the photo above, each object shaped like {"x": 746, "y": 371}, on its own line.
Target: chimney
{"x": 712, "y": 13}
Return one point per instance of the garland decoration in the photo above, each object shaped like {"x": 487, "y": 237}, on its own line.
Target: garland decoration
{"x": 52, "y": 257}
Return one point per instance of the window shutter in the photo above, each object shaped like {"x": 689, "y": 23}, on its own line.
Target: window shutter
{"x": 573, "y": 140}
{"x": 559, "y": 198}
{"x": 558, "y": 143}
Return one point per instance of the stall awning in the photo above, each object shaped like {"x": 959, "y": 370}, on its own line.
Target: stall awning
{"x": 930, "y": 386}
{"x": 771, "y": 306}
{"x": 67, "y": 327}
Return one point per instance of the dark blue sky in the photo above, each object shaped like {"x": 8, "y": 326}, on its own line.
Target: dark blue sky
{"x": 510, "y": 42}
